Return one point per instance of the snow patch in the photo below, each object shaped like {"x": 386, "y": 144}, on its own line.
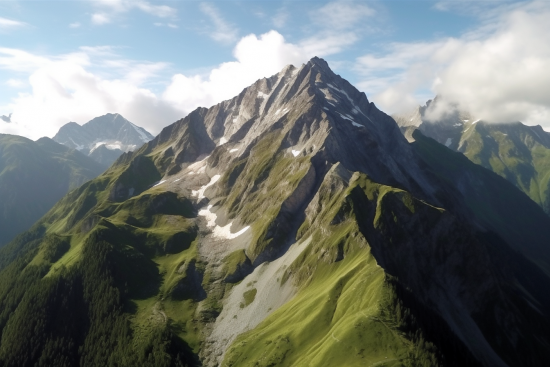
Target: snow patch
{"x": 347, "y": 117}
{"x": 296, "y": 152}
{"x": 160, "y": 182}
{"x": 78, "y": 147}
{"x": 222, "y": 141}
{"x": 235, "y": 119}
{"x": 220, "y": 232}
{"x": 233, "y": 150}
{"x": 262, "y": 95}
{"x": 142, "y": 135}
{"x": 200, "y": 192}
{"x": 476, "y": 121}
{"x": 448, "y": 142}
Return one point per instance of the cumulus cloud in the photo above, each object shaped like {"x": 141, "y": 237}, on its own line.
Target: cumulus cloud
{"x": 256, "y": 57}
{"x": 221, "y": 31}
{"x": 94, "y": 80}
{"x": 62, "y": 89}
{"x": 501, "y": 73}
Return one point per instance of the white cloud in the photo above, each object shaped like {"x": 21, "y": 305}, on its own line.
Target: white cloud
{"x": 109, "y": 9}
{"x": 169, "y": 25}
{"x": 94, "y": 80}
{"x": 336, "y": 26}
{"x": 342, "y": 14}
{"x": 75, "y": 25}
{"x": 256, "y": 57}
{"x": 503, "y": 75}
{"x": 222, "y": 30}
{"x": 16, "y": 83}
{"x": 63, "y": 89}
{"x": 100, "y": 18}
{"x": 11, "y": 24}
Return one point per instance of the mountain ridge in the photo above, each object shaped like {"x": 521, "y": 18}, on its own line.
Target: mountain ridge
{"x": 33, "y": 177}
{"x": 514, "y": 151}
{"x": 108, "y": 132}
{"x": 297, "y": 216}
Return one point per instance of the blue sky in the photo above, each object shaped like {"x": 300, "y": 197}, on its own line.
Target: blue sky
{"x": 155, "y": 61}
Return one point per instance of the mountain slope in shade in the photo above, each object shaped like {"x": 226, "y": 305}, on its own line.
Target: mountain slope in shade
{"x": 519, "y": 153}
{"x": 290, "y": 225}
{"x": 110, "y": 132}
{"x": 33, "y": 177}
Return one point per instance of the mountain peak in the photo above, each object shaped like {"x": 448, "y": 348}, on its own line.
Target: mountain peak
{"x": 317, "y": 61}
{"x": 112, "y": 131}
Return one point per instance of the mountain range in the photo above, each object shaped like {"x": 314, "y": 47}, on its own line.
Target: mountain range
{"x": 33, "y": 177}
{"x": 103, "y": 138}
{"x": 291, "y": 225}
{"x": 514, "y": 151}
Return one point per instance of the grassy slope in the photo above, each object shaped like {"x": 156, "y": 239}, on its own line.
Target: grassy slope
{"x": 514, "y": 152}
{"x": 33, "y": 177}
{"x": 494, "y": 201}
{"x": 347, "y": 311}
{"x": 152, "y": 238}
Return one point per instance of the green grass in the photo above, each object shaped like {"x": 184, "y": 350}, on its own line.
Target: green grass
{"x": 345, "y": 311}
{"x": 248, "y": 297}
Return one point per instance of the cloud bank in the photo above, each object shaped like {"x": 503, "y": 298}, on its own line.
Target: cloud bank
{"x": 95, "y": 80}
{"x": 499, "y": 72}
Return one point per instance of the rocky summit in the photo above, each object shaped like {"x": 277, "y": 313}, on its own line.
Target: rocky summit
{"x": 293, "y": 225}
{"x": 103, "y": 138}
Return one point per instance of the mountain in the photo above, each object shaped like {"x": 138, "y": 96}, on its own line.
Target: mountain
{"x": 291, "y": 225}
{"x": 104, "y": 138}
{"x": 514, "y": 151}
{"x": 33, "y": 177}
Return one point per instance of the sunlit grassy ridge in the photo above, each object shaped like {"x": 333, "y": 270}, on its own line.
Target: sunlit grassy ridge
{"x": 347, "y": 310}
{"x": 516, "y": 152}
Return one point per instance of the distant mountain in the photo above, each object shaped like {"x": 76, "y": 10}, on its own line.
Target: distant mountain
{"x": 112, "y": 134}
{"x": 517, "y": 152}
{"x": 292, "y": 225}
{"x": 6, "y": 118}
{"x": 33, "y": 177}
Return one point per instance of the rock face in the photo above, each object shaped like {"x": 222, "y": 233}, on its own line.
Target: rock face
{"x": 514, "y": 151}
{"x": 104, "y": 138}
{"x": 292, "y": 225}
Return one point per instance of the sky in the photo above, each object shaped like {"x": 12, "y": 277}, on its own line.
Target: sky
{"x": 154, "y": 61}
